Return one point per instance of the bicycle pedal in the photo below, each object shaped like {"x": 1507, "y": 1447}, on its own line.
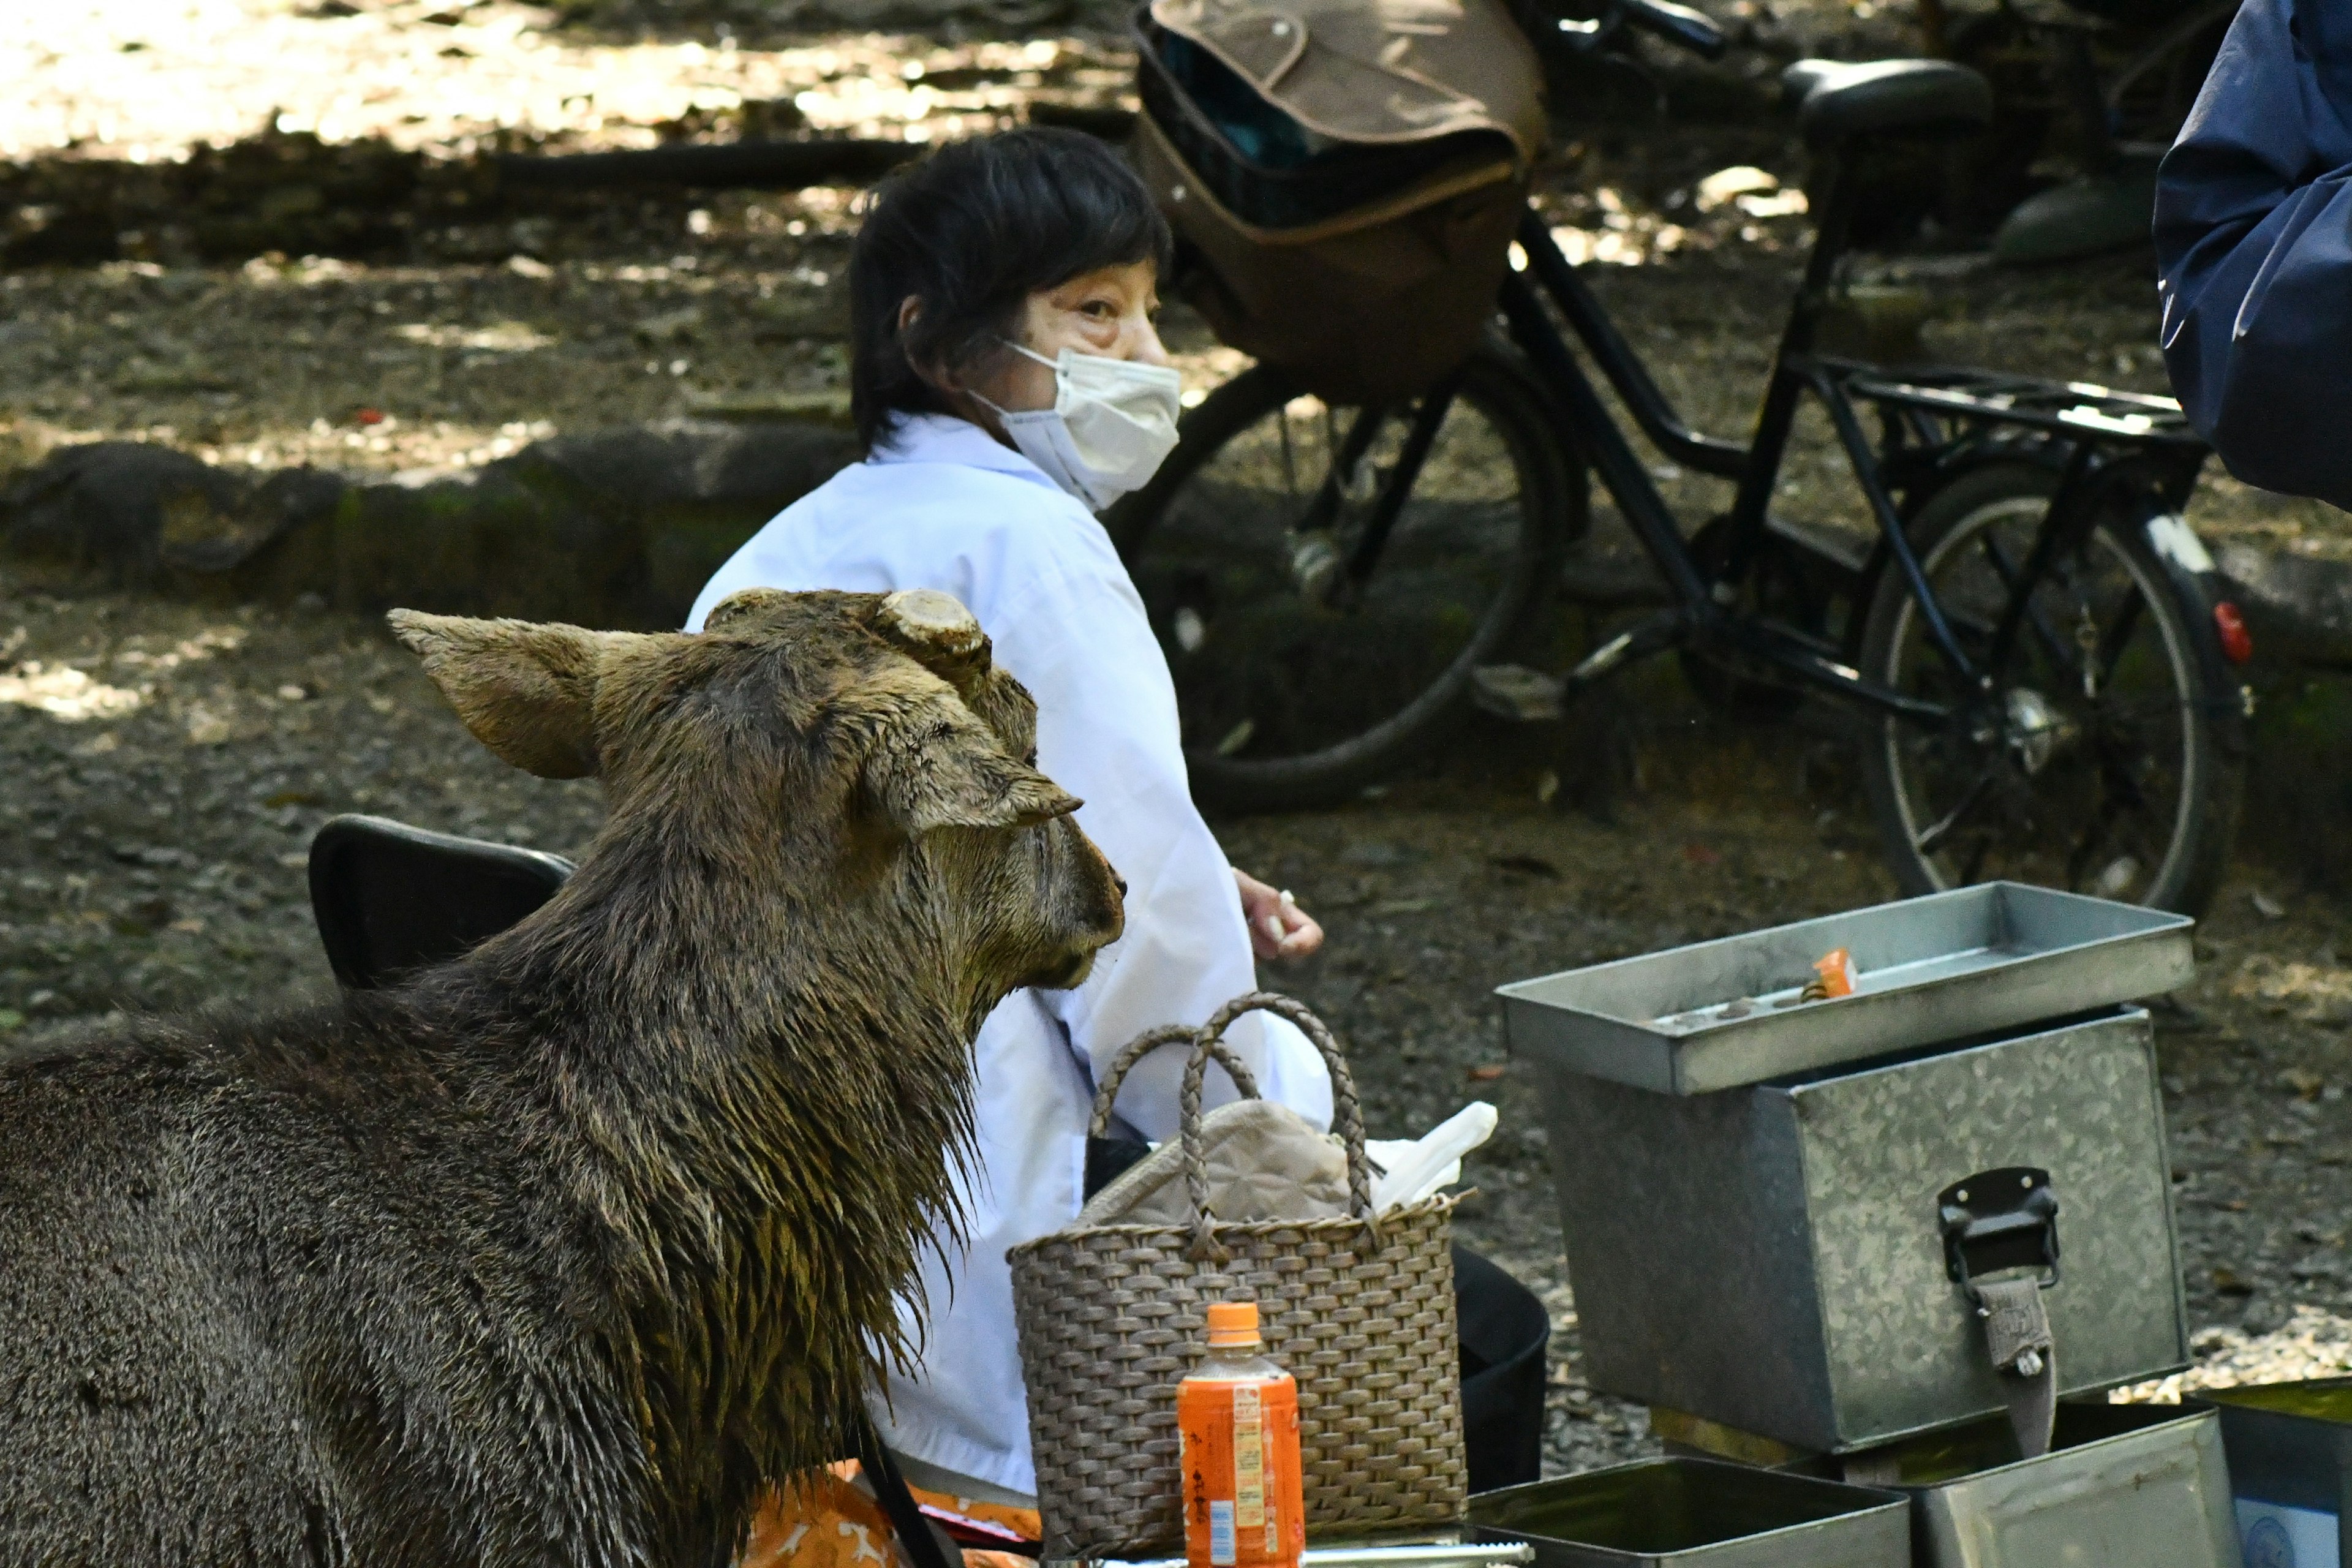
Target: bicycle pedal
{"x": 1516, "y": 692}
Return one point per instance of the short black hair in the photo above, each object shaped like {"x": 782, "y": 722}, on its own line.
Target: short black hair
{"x": 972, "y": 231}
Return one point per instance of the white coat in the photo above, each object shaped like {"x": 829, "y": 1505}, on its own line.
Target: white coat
{"x": 943, "y": 505}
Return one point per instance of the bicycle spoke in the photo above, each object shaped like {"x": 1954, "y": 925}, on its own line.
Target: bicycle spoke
{"x": 1931, "y": 840}
{"x": 2153, "y": 707}
{"x": 2092, "y": 835}
{"x": 2119, "y": 637}
{"x": 2051, "y": 644}
{"x": 1974, "y": 868}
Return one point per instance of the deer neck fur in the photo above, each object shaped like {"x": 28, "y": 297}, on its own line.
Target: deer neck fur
{"x": 762, "y": 1126}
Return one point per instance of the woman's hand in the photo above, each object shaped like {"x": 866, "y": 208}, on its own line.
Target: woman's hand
{"x": 1278, "y": 928}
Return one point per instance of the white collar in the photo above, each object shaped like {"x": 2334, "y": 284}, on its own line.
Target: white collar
{"x": 945, "y": 439}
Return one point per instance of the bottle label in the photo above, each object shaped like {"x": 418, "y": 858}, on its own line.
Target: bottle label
{"x": 1242, "y": 1503}
{"x": 1249, "y": 1461}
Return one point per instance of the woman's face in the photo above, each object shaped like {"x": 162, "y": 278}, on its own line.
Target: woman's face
{"x": 1106, "y": 311}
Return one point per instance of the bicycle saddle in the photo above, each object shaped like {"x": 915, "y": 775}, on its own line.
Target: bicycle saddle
{"x": 389, "y": 897}
{"x": 1835, "y": 101}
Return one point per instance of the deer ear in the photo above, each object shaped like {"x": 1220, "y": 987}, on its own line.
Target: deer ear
{"x": 527, "y": 691}
{"x": 937, "y": 767}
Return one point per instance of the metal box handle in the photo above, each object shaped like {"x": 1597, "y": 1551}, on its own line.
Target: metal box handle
{"x": 1999, "y": 1219}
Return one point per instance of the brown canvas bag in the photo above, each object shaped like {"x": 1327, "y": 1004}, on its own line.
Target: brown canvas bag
{"x": 1368, "y": 267}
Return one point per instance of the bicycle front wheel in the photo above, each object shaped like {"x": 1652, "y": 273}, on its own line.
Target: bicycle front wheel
{"x": 2099, "y": 762}
{"x": 1325, "y": 580}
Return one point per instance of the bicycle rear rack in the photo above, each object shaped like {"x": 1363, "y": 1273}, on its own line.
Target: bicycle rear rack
{"x": 1993, "y": 397}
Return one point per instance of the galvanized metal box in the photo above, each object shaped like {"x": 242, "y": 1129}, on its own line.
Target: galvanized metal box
{"x": 1772, "y": 1258}
{"x": 1697, "y": 1513}
{"x": 2124, "y": 1485}
{"x": 2290, "y": 1449}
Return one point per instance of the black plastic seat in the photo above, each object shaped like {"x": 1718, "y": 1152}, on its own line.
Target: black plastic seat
{"x": 389, "y": 897}
{"x": 1835, "y": 101}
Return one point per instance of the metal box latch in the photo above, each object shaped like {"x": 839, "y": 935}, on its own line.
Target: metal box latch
{"x": 2004, "y": 1219}
{"x": 1999, "y": 1219}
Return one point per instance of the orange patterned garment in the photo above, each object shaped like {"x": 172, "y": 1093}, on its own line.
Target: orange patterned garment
{"x": 830, "y": 1520}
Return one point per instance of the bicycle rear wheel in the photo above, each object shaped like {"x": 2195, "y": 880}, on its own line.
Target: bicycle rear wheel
{"x": 2101, "y": 766}
{"x": 1315, "y": 646}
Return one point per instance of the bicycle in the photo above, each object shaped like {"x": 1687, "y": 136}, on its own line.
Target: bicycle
{"x": 2039, "y": 647}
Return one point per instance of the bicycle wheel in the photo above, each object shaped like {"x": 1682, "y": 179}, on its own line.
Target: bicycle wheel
{"x": 1313, "y": 652}
{"x": 2100, "y": 763}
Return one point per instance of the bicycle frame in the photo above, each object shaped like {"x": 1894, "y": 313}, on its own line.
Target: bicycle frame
{"x": 1704, "y": 613}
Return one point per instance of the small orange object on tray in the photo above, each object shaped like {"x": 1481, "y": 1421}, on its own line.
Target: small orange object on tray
{"x": 1837, "y": 973}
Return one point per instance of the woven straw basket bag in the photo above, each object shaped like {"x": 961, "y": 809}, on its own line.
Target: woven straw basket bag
{"x": 1360, "y": 1310}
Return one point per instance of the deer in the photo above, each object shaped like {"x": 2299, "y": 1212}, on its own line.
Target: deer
{"x": 561, "y": 1251}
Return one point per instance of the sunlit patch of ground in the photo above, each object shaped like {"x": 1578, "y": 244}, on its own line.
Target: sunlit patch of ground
{"x": 2315, "y": 1344}
{"x": 146, "y": 79}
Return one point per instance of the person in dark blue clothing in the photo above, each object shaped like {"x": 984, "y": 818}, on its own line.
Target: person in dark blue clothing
{"x": 2253, "y": 239}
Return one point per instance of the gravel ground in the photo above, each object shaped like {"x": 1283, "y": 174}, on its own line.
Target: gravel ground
{"x": 167, "y": 766}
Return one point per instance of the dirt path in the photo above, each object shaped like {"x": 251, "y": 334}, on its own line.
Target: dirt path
{"x": 165, "y": 767}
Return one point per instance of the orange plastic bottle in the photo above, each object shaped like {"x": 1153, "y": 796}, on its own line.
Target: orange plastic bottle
{"x": 1238, "y": 1413}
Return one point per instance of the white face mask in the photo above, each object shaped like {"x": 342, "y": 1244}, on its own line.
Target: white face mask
{"x": 1113, "y": 423}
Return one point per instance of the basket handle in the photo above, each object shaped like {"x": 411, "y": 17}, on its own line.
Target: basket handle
{"x": 1347, "y": 1113}
{"x": 1142, "y": 1045}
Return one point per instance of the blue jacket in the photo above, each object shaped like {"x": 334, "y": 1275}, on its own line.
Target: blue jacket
{"x": 2253, "y": 240}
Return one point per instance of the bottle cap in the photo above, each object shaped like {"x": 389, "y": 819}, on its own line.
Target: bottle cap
{"x": 1232, "y": 1323}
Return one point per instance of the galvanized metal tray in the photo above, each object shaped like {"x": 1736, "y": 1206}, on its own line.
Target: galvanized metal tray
{"x": 1697, "y": 1513}
{"x": 2126, "y": 1486}
{"x": 1720, "y": 1014}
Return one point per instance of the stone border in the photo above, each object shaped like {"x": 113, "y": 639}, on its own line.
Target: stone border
{"x": 611, "y": 527}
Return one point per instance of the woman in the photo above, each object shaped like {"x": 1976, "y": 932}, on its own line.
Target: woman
{"x": 1007, "y": 383}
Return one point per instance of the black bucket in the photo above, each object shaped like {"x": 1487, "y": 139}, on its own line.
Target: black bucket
{"x": 1506, "y": 1335}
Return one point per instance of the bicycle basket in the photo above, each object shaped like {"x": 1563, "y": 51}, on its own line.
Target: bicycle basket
{"x": 1347, "y": 175}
